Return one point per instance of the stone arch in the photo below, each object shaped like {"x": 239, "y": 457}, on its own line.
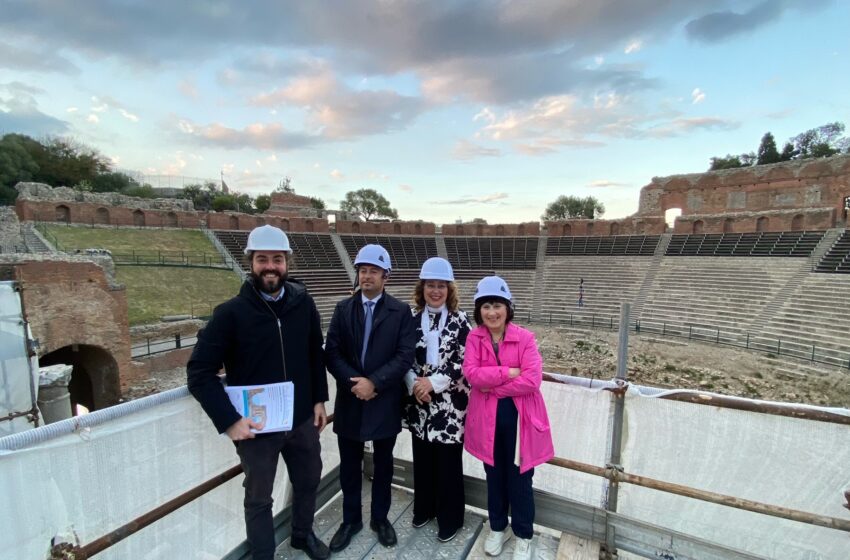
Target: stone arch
{"x": 355, "y": 227}
{"x": 798, "y": 223}
{"x": 171, "y": 219}
{"x": 233, "y": 222}
{"x": 567, "y": 230}
{"x": 397, "y": 229}
{"x": 138, "y": 218}
{"x": 284, "y": 224}
{"x": 417, "y": 229}
{"x": 63, "y": 214}
{"x": 698, "y": 227}
{"x": 589, "y": 228}
{"x": 520, "y": 229}
{"x": 479, "y": 229}
{"x": 500, "y": 230}
{"x": 95, "y": 381}
{"x": 261, "y": 221}
{"x": 762, "y": 223}
{"x": 615, "y": 228}
{"x": 460, "y": 230}
{"x": 101, "y": 216}
{"x": 308, "y": 226}
{"x": 728, "y": 225}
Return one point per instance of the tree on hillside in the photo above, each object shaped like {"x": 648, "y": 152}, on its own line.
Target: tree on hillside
{"x": 823, "y": 141}
{"x": 728, "y": 162}
{"x": 16, "y": 164}
{"x": 367, "y": 203}
{"x": 767, "y": 152}
{"x": 788, "y": 152}
{"x": 262, "y": 203}
{"x": 201, "y": 195}
{"x": 113, "y": 181}
{"x": 66, "y": 162}
{"x": 574, "y": 207}
{"x": 224, "y": 202}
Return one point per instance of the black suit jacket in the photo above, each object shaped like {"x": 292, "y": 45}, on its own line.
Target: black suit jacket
{"x": 389, "y": 356}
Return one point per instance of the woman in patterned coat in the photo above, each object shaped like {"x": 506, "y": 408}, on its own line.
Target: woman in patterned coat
{"x": 439, "y": 395}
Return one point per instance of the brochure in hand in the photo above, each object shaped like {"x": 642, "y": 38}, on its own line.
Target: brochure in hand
{"x": 268, "y": 405}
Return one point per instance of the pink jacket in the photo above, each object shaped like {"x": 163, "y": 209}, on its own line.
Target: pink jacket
{"x": 490, "y": 382}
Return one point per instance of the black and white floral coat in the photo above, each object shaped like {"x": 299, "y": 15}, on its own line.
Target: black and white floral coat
{"x": 442, "y": 419}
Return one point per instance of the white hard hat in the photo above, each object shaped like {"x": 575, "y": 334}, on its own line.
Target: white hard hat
{"x": 437, "y": 268}
{"x": 267, "y": 238}
{"x": 374, "y": 254}
{"x": 492, "y": 286}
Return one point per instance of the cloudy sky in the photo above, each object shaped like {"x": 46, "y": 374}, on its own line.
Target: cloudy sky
{"x": 451, "y": 109}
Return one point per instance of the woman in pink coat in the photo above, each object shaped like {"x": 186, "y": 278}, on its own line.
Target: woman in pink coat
{"x": 503, "y": 366}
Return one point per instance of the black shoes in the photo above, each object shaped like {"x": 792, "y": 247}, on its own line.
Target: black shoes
{"x": 421, "y": 521}
{"x": 446, "y": 536}
{"x": 343, "y": 535}
{"x": 312, "y": 546}
{"x": 385, "y": 531}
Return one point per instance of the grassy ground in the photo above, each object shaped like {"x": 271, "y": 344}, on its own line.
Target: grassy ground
{"x": 154, "y": 291}
{"x": 128, "y": 240}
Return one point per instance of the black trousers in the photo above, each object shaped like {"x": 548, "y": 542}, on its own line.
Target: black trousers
{"x": 351, "y": 478}
{"x": 505, "y": 486}
{"x": 438, "y": 483}
{"x": 301, "y": 452}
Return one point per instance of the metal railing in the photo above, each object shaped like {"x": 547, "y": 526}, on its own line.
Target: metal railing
{"x": 771, "y": 346}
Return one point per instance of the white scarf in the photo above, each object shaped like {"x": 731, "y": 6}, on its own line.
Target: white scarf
{"x": 432, "y": 337}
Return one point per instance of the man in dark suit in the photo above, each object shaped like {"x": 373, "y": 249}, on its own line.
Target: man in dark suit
{"x": 369, "y": 348}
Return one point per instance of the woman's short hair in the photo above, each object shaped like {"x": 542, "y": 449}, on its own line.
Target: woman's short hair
{"x": 492, "y": 299}
{"x": 419, "y": 296}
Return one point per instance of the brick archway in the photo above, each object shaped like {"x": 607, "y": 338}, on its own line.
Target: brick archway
{"x": 138, "y": 218}
{"x": 101, "y": 216}
{"x": 95, "y": 382}
{"x": 63, "y": 214}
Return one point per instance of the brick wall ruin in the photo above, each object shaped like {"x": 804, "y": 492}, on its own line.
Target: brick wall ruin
{"x": 479, "y": 230}
{"x": 386, "y": 228}
{"x": 79, "y": 316}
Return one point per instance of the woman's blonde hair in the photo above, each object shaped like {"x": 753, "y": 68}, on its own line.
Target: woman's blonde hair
{"x": 419, "y": 296}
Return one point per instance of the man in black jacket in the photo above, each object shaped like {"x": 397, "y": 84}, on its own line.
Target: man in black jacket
{"x": 370, "y": 346}
{"x": 269, "y": 333}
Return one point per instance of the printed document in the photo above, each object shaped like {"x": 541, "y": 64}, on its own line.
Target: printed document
{"x": 268, "y": 405}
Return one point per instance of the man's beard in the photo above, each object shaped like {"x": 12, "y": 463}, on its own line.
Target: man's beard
{"x": 270, "y": 285}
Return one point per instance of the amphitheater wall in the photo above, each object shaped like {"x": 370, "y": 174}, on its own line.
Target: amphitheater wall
{"x": 647, "y": 225}
{"x": 744, "y": 222}
{"x": 247, "y": 222}
{"x": 92, "y": 214}
{"x": 386, "y": 228}
{"x": 479, "y": 230}
{"x": 779, "y": 188}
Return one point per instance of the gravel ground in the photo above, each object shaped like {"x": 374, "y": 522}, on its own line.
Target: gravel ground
{"x": 654, "y": 362}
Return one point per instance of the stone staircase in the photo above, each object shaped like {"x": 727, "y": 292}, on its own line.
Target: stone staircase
{"x": 441, "y": 247}
{"x": 34, "y": 241}
{"x": 537, "y": 294}
{"x": 343, "y": 255}
{"x": 225, "y": 254}
{"x": 649, "y": 279}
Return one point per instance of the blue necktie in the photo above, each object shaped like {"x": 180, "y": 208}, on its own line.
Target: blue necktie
{"x": 367, "y": 330}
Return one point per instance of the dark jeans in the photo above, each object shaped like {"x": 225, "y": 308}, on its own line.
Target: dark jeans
{"x": 505, "y": 486}
{"x": 301, "y": 452}
{"x": 438, "y": 483}
{"x": 351, "y": 478}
